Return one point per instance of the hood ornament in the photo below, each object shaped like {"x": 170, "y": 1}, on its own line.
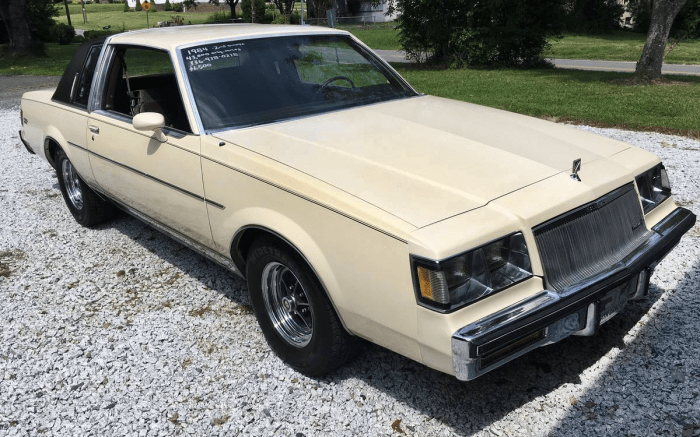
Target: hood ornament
{"x": 576, "y": 167}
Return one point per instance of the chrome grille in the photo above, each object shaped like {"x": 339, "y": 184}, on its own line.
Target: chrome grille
{"x": 590, "y": 238}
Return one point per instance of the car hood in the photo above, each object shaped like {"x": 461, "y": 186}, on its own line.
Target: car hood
{"x": 424, "y": 159}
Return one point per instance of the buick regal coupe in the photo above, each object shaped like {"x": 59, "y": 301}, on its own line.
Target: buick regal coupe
{"x": 355, "y": 208}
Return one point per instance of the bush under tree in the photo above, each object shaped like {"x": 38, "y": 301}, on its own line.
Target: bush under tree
{"x": 318, "y": 8}
{"x": 62, "y": 33}
{"x": 593, "y": 16}
{"x": 40, "y": 14}
{"x": 248, "y": 14}
{"x": 168, "y": 5}
{"x": 461, "y": 33}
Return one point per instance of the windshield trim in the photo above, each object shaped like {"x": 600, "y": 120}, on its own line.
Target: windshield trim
{"x": 372, "y": 57}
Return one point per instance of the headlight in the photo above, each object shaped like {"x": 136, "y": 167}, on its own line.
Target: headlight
{"x": 455, "y": 282}
{"x": 654, "y": 187}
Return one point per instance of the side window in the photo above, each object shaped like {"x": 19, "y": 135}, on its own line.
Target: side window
{"x": 143, "y": 80}
{"x": 83, "y": 92}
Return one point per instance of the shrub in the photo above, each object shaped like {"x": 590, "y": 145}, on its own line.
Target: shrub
{"x": 126, "y": 7}
{"x": 177, "y": 7}
{"x": 355, "y": 5}
{"x": 593, "y": 16}
{"x": 168, "y": 6}
{"x": 40, "y": 15}
{"x": 259, "y": 10}
{"x": 294, "y": 19}
{"x": 94, "y": 34}
{"x": 269, "y": 16}
{"x": 138, "y": 7}
{"x": 477, "y": 33}
{"x": 62, "y": 33}
{"x": 280, "y": 19}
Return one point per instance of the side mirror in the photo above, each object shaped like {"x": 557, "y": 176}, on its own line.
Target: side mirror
{"x": 150, "y": 121}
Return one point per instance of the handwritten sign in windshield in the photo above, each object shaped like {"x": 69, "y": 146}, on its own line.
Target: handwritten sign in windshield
{"x": 212, "y": 56}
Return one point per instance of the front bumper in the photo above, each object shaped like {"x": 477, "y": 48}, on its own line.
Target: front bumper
{"x": 548, "y": 316}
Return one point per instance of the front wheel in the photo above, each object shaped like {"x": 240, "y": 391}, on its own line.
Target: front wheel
{"x": 294, "y": 313}
{"x": 87, "y": 207}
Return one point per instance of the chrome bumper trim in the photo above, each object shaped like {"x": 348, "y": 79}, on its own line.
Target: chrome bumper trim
{"x": 549, "y": 316}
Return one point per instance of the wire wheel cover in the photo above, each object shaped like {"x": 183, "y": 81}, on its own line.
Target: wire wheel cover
{"x": 72, "y": 184}
{"x": 287, "y": 304}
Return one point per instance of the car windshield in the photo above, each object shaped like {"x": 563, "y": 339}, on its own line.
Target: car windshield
{"x": 256, "y": 81}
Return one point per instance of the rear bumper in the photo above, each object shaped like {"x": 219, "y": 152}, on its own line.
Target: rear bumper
{"x": 26, "y": 145}
{"x": 548, "y": 316}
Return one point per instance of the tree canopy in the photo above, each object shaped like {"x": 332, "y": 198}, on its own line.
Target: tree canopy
{"x": 478, "y": 33}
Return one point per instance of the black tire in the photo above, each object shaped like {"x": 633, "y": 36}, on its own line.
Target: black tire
{"x": 320, "y": 349}
{"x": 87, "y": 207}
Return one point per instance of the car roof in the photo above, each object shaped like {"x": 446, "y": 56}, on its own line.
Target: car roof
{"x": 169, "y": 38}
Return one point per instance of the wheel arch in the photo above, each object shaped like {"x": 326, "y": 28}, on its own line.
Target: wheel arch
{"x": 51, "y": 146}
{"x": 247, "y": 235}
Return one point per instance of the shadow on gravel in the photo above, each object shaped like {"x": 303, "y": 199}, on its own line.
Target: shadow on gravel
{"x": 655, "y": 380}
{"x": 466, "y": 407}
{"x": 208, "y": 273}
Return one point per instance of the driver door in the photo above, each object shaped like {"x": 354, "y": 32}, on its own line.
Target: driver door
{"x": 159, "y": 179}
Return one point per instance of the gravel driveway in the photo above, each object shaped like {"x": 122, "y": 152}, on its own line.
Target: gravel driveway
{"x": 118, "y": 330}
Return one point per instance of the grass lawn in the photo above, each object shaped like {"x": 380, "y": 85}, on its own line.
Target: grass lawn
{"x": 53, "y": 64}
{"x": 569, "y": 95}
{"x": 101, "y": 15}
{"x": 381, "y": 36}
{"x": 619, "y": 46}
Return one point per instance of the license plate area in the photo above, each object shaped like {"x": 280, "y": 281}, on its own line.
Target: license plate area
{"x": 613, "y": 302}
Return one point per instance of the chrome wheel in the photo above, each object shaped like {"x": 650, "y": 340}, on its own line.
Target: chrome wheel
{"x": 287, "y": 304}
{"x": 72, "y": 184}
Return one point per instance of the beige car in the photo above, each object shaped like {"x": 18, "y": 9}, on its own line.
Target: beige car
{"x": 457, "y": 235}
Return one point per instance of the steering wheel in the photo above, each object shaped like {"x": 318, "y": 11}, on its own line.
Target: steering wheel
{"x": 335, "y": 78}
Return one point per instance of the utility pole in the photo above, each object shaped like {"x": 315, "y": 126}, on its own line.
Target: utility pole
{"x": 84, "y": 13}
{"x": 65, "y": 2}
{"x": 302, "y": 12}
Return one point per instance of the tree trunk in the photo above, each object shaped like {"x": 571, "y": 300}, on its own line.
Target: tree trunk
{"x": 232, "y": 4}
{"x": 65, "y": 3}
{"x": 14, "y": 14}
{"x": 662, "y": 15}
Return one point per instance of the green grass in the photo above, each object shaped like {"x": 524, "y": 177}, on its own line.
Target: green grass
{"x": 53, "y": 64}
{"x": 619, "y": 46}
{"x": 101, "y": 15}
{"x": 381, "y": 36}
{"x": 578, "y": 96}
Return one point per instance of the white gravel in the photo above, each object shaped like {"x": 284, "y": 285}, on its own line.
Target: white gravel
{"x": 120, "y": 331}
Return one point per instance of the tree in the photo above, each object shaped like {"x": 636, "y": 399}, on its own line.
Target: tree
{"x": 286, "y": 7}
{"x": 65, "y": 3}
{"x": 247, "y": 10}
{"x": 593, "y": 16}
{"x": 14, "y": 15}
{"x": 479, "y": 33}
{"x": 318, "y": 8}
{"x": 40, "y": 14}
{"x": 231, "y": 4}
{"x": 662, "y": 15}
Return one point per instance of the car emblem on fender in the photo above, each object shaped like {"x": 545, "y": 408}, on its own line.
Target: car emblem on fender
{"x": 576, "y": 167}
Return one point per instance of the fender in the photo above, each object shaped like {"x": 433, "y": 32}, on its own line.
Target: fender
{"x": 295, "y": 236}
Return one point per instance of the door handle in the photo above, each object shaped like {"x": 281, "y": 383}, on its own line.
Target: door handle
{"x": 94, "y": 129}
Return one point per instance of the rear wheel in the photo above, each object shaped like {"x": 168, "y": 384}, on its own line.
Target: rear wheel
{"x": 294, "y": 313}
{"x": 87, "y": 207}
